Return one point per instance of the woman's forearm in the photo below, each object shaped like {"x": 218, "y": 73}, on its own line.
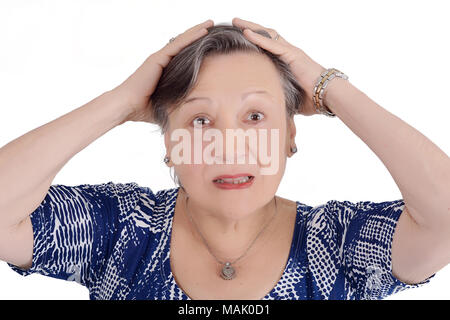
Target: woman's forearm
{"x": 29, "y": 163}
{"x": 420, "y": 169}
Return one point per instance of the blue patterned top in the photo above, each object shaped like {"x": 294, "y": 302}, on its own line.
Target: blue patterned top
{"x": 114, "y": 239}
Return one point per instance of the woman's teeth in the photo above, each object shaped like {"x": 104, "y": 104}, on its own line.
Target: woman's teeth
{"x": 233, "y": 181}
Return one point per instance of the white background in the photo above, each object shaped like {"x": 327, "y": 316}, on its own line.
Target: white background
{"x": 58, "y": 55}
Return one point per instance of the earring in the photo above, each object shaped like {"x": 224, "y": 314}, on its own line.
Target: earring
{"x": 166, "y": 159}
{"x": 294, "y": 149}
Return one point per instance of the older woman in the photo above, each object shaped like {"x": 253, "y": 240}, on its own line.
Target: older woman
{"x": 223, "y": 233}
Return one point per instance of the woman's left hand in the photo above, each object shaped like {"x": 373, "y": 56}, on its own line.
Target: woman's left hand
{"x": 305, "y": 69}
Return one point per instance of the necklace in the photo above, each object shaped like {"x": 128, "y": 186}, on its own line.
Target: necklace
{"x": 228, "y": 272}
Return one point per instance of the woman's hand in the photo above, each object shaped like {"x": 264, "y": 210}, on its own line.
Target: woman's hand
{"x": 136, "y": 90}
{"x": 306, "y": 70}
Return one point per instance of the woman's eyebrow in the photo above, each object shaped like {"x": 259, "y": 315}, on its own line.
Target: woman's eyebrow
{"x": 243, "y": 97}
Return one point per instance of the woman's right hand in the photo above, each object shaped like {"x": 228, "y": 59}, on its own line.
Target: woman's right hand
{"x": 136, "y": 90}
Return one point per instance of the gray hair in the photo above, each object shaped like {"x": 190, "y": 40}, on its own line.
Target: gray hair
{"x": 180, "y": 75}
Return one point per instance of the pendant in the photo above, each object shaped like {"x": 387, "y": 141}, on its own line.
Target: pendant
{"x": 228, "y": 272}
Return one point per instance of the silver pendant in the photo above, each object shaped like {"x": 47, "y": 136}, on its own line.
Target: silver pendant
{"x": 228, "y": 272}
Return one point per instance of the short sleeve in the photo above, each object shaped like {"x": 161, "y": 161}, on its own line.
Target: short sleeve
{"x": 74, "y": 229}
{"x": 368, "y": 229}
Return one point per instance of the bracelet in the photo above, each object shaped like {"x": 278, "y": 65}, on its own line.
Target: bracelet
{"x": 320, "y": 86}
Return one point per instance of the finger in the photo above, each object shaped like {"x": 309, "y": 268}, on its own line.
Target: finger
{"x": 269, "y": 44}
{"x": 190, "y": 34}
{"x": 156, "y": 62}
{"x": 206, "y": 24}
{"x": 244, "y": 24}
{"x": 181, "y": 41}
{"x": 241, "y": 23}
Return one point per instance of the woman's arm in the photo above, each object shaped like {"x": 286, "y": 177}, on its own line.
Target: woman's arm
{"x": 420, "y": 169}
{"x": 29, "y": 163}
{"x": 421, "y": 244}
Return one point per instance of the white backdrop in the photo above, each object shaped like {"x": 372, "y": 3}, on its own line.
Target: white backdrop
{"x": 57, "y": 55}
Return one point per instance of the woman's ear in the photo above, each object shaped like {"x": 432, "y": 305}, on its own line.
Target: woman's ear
{"x": 167, "y": 145}
{"x": 290, "y": 138}
{"x": 292, "y": 129}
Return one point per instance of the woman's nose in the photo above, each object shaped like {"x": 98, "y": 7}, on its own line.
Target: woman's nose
{"x": 236, "y": 141}
{"x": 227, "y": 120}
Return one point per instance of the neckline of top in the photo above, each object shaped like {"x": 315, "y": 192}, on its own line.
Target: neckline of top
{"x": 169, "y": 279}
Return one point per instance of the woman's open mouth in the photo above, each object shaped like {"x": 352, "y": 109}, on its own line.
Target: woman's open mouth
{"x": 237, "y": 181}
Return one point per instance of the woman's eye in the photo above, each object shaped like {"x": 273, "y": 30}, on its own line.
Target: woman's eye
{"x": 200, "y": 121}
{"x": 255, "y": 116}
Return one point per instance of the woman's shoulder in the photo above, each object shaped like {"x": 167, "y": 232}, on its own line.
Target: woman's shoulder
{"x": 135, "y": 191}
{"x": 337, "y": 208}
{"x": 348, "y": 217}
{"x": 138, "y": 207}
{"x": 128, "y": 199}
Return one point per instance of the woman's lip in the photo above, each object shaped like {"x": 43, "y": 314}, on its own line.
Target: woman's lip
{"x": 229, "y": 186}
{"x": 228, "y": 176}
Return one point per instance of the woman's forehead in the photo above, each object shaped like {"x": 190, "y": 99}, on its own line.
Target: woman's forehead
{"x": 235, "y": 72}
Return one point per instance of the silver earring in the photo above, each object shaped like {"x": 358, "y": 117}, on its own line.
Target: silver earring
{"x": 166, "y": 159}
{"x": 294, "y": 149}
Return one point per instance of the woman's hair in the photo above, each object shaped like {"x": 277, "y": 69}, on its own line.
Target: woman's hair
{"x": 180, "y": 75}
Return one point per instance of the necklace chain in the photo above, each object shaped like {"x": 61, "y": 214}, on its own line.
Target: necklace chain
{"x": 251, "y": 244}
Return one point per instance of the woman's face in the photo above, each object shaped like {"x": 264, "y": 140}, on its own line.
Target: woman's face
{"x": 222, "y": 82}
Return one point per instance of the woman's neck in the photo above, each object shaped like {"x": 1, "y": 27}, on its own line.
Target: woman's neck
{"x": 227, "y": 238}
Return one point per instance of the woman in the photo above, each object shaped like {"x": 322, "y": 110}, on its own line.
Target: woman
{"x": 223, "y": 234}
